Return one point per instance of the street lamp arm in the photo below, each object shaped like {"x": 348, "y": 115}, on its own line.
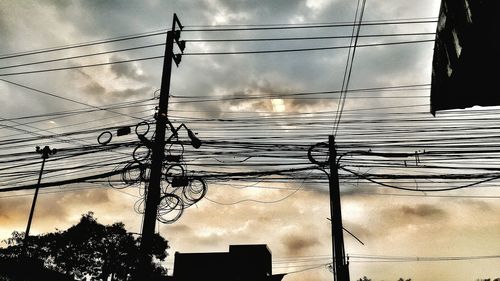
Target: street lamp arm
{"x": 195, "y": 141}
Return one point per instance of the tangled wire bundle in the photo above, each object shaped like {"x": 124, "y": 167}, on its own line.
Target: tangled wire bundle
{"x": 178, "y": 189}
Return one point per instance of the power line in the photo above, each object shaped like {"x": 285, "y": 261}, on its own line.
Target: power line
{"x": 192, "y": 99}
{"x": 384, "y": 257}
{"x": 303, "y": 49}
{"x": 86, "y": 110}
{"x": 163, "y": 32}
{"x": 348, "y": 69}
{"x": 80, "y": 66}
{"x": 209, "y": 40}
{"x": 307, "y": 38}
{"x": 67, "y": 99}
{"x": 305, "y": 26}
{"x": 311, "y": 23}
{"x": 364, "y": 258}
{"x": 431, "y": 195}
{"x": 491, "y": 178}
{"x": 214, "y": 53}
{"x": 307, "y": 269}
{"x": 84, "y": 56}
{"x": 85, "y": 44}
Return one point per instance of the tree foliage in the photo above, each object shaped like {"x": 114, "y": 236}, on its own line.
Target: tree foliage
{"x": 87, "y": 248}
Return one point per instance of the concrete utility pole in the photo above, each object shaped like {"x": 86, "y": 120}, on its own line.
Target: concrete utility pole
{"x": 341, "y": 265}
{"x": 158, "y": 154}
{"x": 46, "y": 151}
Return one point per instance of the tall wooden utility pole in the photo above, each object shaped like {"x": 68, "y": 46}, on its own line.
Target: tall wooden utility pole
{"x": 158, "y": 155}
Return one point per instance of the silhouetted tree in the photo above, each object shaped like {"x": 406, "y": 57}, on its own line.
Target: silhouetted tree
{"x": 87, "y": 248}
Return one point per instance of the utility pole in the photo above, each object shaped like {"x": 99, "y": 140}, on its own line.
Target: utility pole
{"x": 158, "y": 154}
{"x": 341, "y": 267}
{"x": 46, "y": 151}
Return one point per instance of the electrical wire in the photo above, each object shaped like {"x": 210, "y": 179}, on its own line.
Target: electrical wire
{"x": 348, "y": 68}
{"x": 310, "y": 26}
{"x": 213, "y": 54}
{"x": 64, "y": 98}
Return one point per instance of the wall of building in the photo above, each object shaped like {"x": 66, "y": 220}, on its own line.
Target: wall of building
{"x": 465, "y": 54}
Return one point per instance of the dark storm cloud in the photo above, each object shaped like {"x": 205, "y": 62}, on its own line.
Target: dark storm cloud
{"x": 422, "y": 211}
{"x": 180, "y": 229}
{"x": 137, "y": 93}
{"x": 94, "y": 88}
{"x": 267, "y": 87}
{"x": 399, "y": 218}
{"x": 5, "y": 32}
{"x": 126, "y": 70}
{"x": 360, "y": 231}
{"x": 398, "y": 61}
{"x": 95, "y": 17}
{"x": 412, "y": 213}
{"x": 261, "y": 87}
{"x": 296, "y": 245}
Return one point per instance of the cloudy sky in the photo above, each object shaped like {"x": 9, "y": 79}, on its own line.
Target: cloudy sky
{"x": 288, "y": 214}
